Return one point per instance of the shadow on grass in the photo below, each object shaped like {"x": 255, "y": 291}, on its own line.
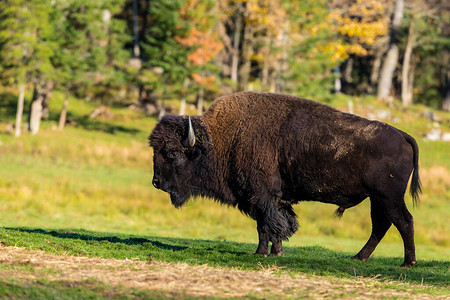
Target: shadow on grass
{"x": 311, "y": 260}
{"x": 112, "y": 239}
{"x": 154, "y": 241}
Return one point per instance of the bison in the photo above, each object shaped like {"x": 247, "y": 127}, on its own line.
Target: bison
{"x": 264, "y": 152}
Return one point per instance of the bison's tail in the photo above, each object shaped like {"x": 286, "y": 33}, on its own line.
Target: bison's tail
{"x": 416, "y": 186}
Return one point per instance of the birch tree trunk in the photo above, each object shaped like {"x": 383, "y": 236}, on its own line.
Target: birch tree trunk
{"x": 375, "y": 73}
{"x": 406, "y": 94}
{"x": 200, "y": 97}
{"x": 280, "y": 84}
{"x": 19, "y": 113}
{"x": 247, "y": 52}
{"x": 183, "y": 97}
{"x": 410, "y": 87}
{"x": 63, "y": 115}
{"x": 36, "y": 109}
{"x": 47, "y": 95}
{"x": 265, "y": 69}
{"x": 445, "y": 81}
{"x": 236, "y": 43}
{"x": 390, "y": 61}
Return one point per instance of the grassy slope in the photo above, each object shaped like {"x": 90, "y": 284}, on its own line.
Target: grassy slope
{"x": 96, "y": 175}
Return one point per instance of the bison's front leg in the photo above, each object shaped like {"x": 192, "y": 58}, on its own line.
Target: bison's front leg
{"x": 277, "y": 249}
{"x": 263, "y": 245}
{"x": 275, "y": 224}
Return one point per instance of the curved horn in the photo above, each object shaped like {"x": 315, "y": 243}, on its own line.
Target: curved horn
{"x": 190, "y": 141}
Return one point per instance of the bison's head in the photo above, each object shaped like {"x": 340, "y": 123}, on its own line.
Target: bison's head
{"x": 180, "y": 145}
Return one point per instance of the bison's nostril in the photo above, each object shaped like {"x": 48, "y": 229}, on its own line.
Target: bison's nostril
{"x": 156, "y": 183}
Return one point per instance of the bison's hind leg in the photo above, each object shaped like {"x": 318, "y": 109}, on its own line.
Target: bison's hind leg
{"x": 403, "y": 221}
{"x": 384, "y": 212}
{"x": 380, "y": 225}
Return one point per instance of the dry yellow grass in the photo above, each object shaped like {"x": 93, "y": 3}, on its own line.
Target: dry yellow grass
{"x": 436, "y": 180}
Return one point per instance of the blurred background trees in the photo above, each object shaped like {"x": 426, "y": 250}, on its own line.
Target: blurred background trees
{"x": 149, "y": 51}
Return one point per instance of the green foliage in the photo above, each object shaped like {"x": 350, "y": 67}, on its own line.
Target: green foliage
{"x": 25, "y": 41}
{"x": 430, "y": 55}
{"x": 91, "y": 59}
{"x": 309, "y": 74}
{"x": 160, "y": 48}
{"x": 294, "y": 46}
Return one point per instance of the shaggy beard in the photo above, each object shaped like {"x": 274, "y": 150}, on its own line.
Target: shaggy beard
{"x": 178, "y": 200}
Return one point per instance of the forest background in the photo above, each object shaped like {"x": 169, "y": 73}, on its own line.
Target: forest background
{"x": 82, "y": 83}
{"x": 115, "y": 50}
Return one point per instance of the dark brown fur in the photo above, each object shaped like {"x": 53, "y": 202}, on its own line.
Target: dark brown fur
{"x": 265, "y": 152}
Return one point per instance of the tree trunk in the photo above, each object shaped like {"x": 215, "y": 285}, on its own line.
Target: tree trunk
{"x": 236, "y": 43}
{"x": 390, "y": 62}
{"x": 346, "y": 76}
{"x": 273, "y": 77}
{"x": 47, "y": 95}
{"x": 63, "y": 116}
{"x": 410, "y": 87}
{"x": 183, "y": 97}
{"x": 280, "y": 84}
{"x": 375, "y": 73}
{"x": 136, "y": 50}
{"x": 200, "y": 96}
{"x": 348, "y": 70}
{"x": 387, "y": 74}
{"x": 266, "y": 66}
{"x": 406, "y": 95}
{"x": 182, "y": 105}
{"x": 19, "y": 113}
{"x": 446, "y": 101}
{"x": 36, "y": 109}
{"x": 445, "y": 81}
{"x": 246, "y": 55}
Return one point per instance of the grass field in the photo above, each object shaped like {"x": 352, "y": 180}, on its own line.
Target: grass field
{"x": 96, "y": 176}
{"x": 430, "y": 278}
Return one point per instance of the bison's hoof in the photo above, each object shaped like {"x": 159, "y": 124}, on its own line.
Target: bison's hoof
{"x": 410, "y": 264}
{"x": 360, "y": 258}
{"x": 280, "y": 253}
{"x": 263, "y": 254}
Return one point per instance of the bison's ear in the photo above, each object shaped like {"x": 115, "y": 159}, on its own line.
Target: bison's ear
{"x": 189, "y": 142}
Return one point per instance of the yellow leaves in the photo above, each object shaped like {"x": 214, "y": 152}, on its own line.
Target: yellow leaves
{"x": 356, "y": 49}
{"x": 335, "y": 50}
{"x": 359, "y": 25}
{"x": 259, "y": 57}
{"x": 314, "y": 30}
{"x": 365, "y": 33}
{"x": 264, "y": 13}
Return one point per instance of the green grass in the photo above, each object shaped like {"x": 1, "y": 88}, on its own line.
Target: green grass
{"x": 85, "y": 289}
{"x": 308, "y": 260}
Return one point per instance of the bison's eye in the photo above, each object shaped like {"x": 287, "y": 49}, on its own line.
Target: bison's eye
{"x": 172, "y": 155}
